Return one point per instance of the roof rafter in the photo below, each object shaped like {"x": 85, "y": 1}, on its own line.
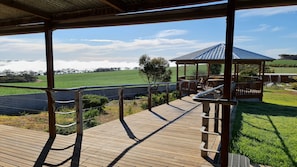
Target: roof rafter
{"x": 118, "y": 5}
{"x": 28, "y": 9}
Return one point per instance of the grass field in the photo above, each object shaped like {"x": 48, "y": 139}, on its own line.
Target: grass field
{"x": 283, "y": 63}
{"x": 109, "y": 78}
{"x": 266, "y": 132}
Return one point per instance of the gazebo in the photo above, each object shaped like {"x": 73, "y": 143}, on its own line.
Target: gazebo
{"x": 247, "y": 86}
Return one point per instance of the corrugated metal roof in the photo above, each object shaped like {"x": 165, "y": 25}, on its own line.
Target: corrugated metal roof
{"x": 217, "y": 53}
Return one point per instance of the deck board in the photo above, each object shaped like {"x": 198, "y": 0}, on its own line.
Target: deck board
{"x": 166, "y": 136}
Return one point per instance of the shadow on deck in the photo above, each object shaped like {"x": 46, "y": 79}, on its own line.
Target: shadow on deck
{"x": 168, "y": 135}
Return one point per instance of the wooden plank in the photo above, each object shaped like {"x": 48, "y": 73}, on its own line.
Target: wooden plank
{"x": 168, "y": 137}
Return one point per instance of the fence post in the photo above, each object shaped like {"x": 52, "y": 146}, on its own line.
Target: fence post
{"x": 51, "y": 114}
{"x": 216, "y": 113}
{"x": 149, "y": 98}
{"x": 167, "y": 93}
{"x": 180, "y": 89}
{"x": 79, "y": 112}
{"x": 205, "y": 123}
{"x": 216, "y": 116}
{"x": 121, "y": 104}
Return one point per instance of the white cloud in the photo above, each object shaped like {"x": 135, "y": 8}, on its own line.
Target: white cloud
{"x": 39, "y": 65}
{"x": 274, "y": 29}
{"x": 261, "y": 27}
{"x": 171, "y": 32}
{"x": 267, "y": 11}
{"x": 242, "y": 38}
{"x": 266, "y": 27}
{"x": 293, "y": 35}
{"x": 277, "y": 51}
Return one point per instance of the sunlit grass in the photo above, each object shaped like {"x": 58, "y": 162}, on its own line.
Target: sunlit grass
{"x": 266, "y": 132}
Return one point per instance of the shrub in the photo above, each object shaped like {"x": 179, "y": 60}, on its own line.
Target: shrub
{"x": 94, "y": 101}
{"x": 294, "y": 85}
{"x": 160, "y": 98}
{"x": 89, "y": 118}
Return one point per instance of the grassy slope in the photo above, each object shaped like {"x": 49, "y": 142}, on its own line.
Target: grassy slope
{"x": 283, "y": 62}
{"x": 266, "y": 132}
{"x": 91, "y": 79}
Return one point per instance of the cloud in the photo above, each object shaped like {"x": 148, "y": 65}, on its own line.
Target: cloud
{"x": 266, "y": 27}
{"x": 171, "y": 32}
{"x": 277, "y": 51}
{"x": 267, "y": 11}
{"x": 239, "y": 39}
{"x": 292, "y": 35}
{"x": 261, "y": 27}
{"x": 274, "y": 29}
{"x": 38, "y": 65}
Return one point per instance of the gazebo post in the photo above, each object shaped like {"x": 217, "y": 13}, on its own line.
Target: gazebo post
{"x": 185, "y": 70}
{"x": 208, "y": 69}
{"x": 197, "y": 68}
{"x": 50, "y": 78}
{"x": 227, "y": 83}
{"x": 262, "y": 80}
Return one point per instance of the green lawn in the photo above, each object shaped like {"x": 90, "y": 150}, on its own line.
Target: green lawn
{"x": 267, "y": 132}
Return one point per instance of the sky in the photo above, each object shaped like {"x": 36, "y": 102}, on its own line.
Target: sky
{"x": 268, "y": 31}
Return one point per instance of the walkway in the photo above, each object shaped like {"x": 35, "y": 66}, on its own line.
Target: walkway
{"x": 166, "y": 136}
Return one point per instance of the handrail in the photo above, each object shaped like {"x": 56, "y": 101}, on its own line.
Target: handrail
{"x": 66, "y": 126}
{"x": 202, "y": 147}
{"x": 203, "y": 130}
{"x": 52, "y": 108}
{"x": 85, "y": 87}
{"x": 217, "y": 100}
{"x": 204, "y": 115}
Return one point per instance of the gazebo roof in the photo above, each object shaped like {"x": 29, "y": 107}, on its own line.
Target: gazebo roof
{"x": 217, "y": 54}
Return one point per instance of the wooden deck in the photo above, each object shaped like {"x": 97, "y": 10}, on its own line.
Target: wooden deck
{"x": 166, "y": 136}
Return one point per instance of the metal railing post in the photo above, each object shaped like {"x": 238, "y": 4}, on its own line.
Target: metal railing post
{"x": 79, "y": 112}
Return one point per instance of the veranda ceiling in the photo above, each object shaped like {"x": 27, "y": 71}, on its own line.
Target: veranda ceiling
{"x": 32, "y": 16}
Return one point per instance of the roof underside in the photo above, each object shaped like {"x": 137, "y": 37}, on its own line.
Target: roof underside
{"x": 32, "y": 16}
{"x": 217, "y": 53}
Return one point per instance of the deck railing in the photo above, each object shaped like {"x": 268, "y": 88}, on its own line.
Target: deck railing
{"x": 252, "y": 89}
{"x": 208, "y": 97}
{"x": 77, "y": 102}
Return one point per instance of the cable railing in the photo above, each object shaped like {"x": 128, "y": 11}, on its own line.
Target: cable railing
{"x": 211, "y": 96}
{"x": 74, "y": 99}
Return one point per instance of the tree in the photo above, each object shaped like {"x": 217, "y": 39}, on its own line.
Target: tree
{"x": 215, "y": 69}
{"x": 156, "y": 69}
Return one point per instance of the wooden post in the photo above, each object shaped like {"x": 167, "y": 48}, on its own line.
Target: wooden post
{"x": 189, "y": 87}
{"x": 180, "y": 89}
{"x": 149, "y": 98}
{"x": 185, "y": 70}
{"x": 227, "y": 82}
{"x": 79, "y": 112}
{"x": 197, "y": 69}
{"x": 51, "y": 114}
{"x": 121, "y": 104}
{"x": 50, "y": 77}
{"x": 167, "y": 93}
{"x": 262, "y": 80}
{"x": 177, "y": 79}
{"x": 205, "y": 123}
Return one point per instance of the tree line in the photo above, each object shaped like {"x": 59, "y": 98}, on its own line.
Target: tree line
{"x": 11, "y": 77}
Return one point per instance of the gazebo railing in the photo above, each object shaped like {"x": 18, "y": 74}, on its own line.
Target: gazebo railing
{"x": 252, "y": 89}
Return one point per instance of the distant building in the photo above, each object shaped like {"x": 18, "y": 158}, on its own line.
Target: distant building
{"x": 288, "y": 57}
